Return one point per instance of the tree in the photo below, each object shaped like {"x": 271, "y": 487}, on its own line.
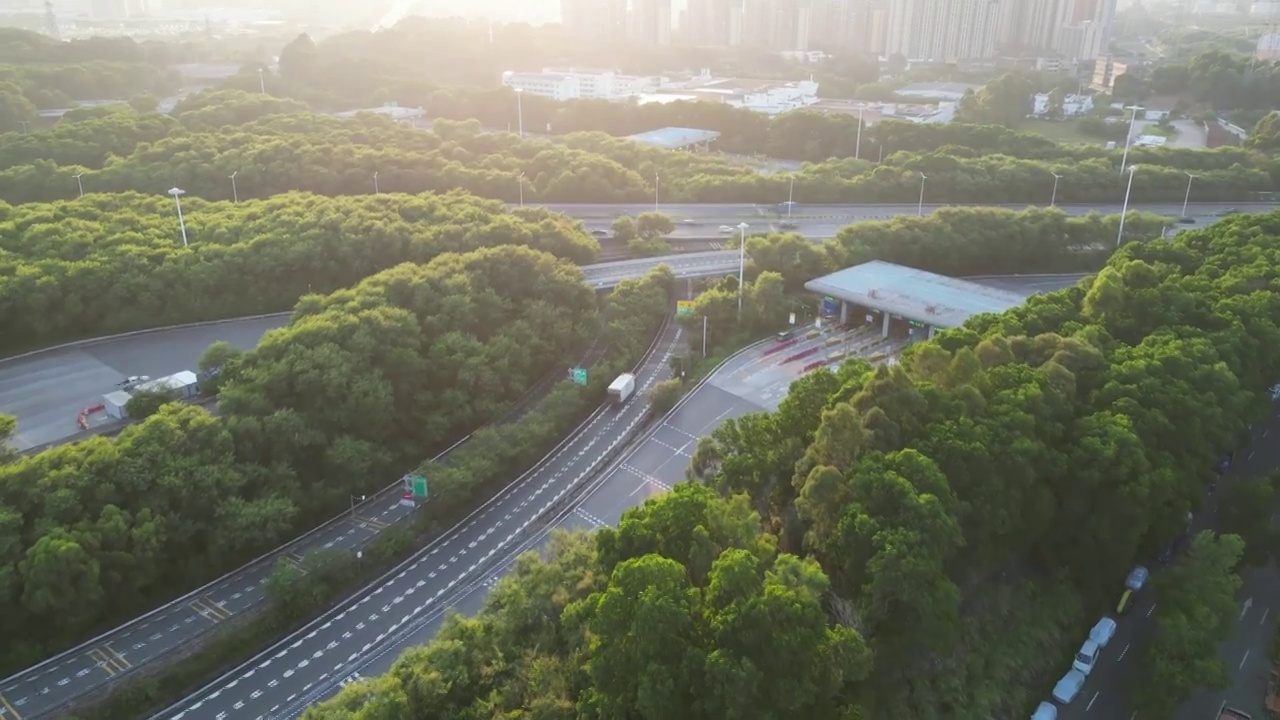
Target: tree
{"x": 1196, "y": 610}
{"x": 1245, "y": 509}
{"x": 145, "y": 403}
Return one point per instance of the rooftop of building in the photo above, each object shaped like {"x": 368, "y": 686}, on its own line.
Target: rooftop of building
{"x": 913, "y": 294}
{"x": 674, "y": 138}
{"x": 939, "y": 87}
{"x": 395, "y": 112}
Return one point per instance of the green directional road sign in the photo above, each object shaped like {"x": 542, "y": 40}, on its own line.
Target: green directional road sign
{"x": 580, "y": 376}
{"x": 684, "y": 308}
{"x": 419, "y": 486}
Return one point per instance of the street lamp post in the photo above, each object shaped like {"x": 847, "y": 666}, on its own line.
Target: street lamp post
{"x": 742, "y": 263}
{"x": 1053, "y": 199}
{"x": 1125, "y": 210}
{"x": 857, "y": 144}
{"x": 520, "y": 182}
{"x": 24, "y": 124}
{"x": 791, "y": 193}
{"x": 80, "y": 183}
{"x": 920, "y": 206}
{"x": 177, "y": 194}
{"x": 262, "y": 80}
{"x": 376, "y": 191}
{"x": 519, "y": 112}
{"x": 1124, "y": 159}
{"x": 1187, "y": 198}
{"x": 235, "y": 194}
{"x": 355, "y": 499}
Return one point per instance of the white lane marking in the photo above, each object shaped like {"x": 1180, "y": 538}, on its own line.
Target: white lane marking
{"x": 1242, "y": 660}
{"x": 1092, "y": 700}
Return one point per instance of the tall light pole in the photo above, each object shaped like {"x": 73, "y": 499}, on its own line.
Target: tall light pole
{"x": 177, "y": 194}
{"x": 1053, "y": 199}
{"x": 1187, "y": 198}
{"x": 235, "y": 194}
{"x": 1124, "y": 159}
{"x": 920, "y": 206}
{"x": 80, "y": 183}
{"x": 519, "y": 112}
{"x": 742, "y": 264}
{"x": 24, "y": 124}
{"x": 655, "y": 191}
{"x": 857, "y": 144}
{"x": 375, "y": 183}
{"x": 355, "y": 499}
{"x": 262, "y": 80}
{"x": 1125, "y": 211}
{"x": 520, "y": 182}
{"x": 791, "y": 193}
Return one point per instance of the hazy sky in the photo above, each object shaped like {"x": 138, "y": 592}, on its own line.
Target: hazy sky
{"x": 531, "y": 11}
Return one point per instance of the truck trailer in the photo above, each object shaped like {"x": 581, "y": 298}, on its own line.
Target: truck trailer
{"x": 621, "y": 388}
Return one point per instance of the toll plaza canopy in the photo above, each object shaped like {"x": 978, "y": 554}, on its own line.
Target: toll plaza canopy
{"x": 934, "y": 300}
{"x": 675, "y": 138}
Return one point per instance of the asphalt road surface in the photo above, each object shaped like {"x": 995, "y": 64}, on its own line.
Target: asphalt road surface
{"x": 48, "y": 390}
{"x": 1108, "y": 692}
{"x": 290, "y": 676}
{"x": 39, "y": 692}
{"x": 598, "y": 216}
{"x": 650, "y": 467}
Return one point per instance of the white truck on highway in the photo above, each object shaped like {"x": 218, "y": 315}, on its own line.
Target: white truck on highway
{"x": 621, "y": 388}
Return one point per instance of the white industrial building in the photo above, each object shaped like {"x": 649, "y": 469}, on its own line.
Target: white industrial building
{"x": 572, "y": 84}
{"x": 763, "y": 96}
{"x": 1072, "y": 105}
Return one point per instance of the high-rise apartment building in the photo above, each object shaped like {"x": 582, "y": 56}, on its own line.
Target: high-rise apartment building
{"x": 605, "y": 20}
{"x": 709, "y": 22}
{"x": 1077, "y": 29}
{"x": 649, "y": 22}
{"x": 943, "y": 30}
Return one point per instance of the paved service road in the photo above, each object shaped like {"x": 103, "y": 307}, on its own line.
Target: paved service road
{"x": 291, "y": 675}
{"x": 732, "y": 214}
{"x": 1108, "y": 692}
{"x": 48, "y": 390}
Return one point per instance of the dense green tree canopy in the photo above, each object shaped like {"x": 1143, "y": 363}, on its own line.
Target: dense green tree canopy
{"x": 994, "y": 483}
{"x": 110, "y": 263}
{"x": 273, "y": 146}
{"x": 361, "y": 384}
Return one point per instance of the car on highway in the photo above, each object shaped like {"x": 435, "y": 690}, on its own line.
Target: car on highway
{"x": 132, "y": 381}
{"x": 1086, "y": 657}
{"x": 1068, "y": 687}
{"x": 726, "y": 229}
{"x": 689, "y": 221}
{"x": 1275, "y": 392}
{"x": 1187, "y": 220}
{"x": 788, "y": 225}
{"x": 1045, "y": 711}
{"x": 600, "y": 233}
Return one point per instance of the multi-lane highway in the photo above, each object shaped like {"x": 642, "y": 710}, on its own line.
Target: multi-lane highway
{"x": 288, "y": 677}
{"x": 364, "y": 636}
{"x": 133, "y": 645}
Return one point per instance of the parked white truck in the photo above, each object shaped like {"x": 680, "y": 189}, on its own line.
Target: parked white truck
{"x": 621, "y": 388}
